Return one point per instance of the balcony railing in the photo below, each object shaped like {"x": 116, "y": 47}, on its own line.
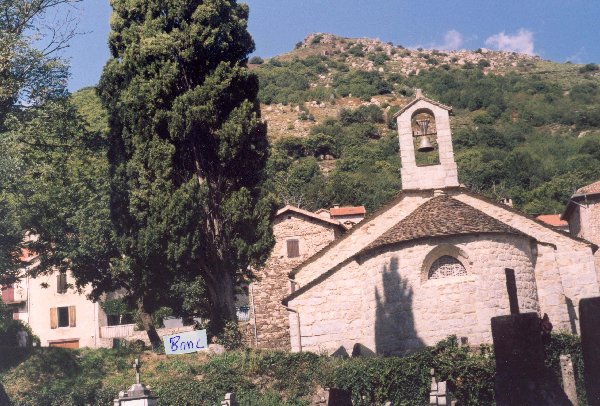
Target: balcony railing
{"x": 243, "y": 313}
{"x": 122, "y": 331}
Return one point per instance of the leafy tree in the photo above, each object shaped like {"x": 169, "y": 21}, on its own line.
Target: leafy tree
{"x": 30, "y": 70}
{"x": 187, "y": 153}
{"x": 31, "y": 74}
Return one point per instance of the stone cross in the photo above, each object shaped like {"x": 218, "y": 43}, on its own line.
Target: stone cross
{"x": 511, "y": 287}
{"x": 137, "y": 366}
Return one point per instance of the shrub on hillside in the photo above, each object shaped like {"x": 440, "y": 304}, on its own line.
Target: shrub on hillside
{"x": 590, "y": 67}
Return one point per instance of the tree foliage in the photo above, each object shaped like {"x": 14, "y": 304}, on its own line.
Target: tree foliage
{"x": 187, "y": 152}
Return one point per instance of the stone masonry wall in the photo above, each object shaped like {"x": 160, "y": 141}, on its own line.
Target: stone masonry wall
{"x": 426, "y": 177}
{"x": 585, "y": 223}
{"x": 267, "y": 313}
{"x": 387, "y": 304}
{"x": 363, "y": 233}
{"x": 565, "y": 268}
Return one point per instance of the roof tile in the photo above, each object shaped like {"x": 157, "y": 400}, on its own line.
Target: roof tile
{"x": 589, "y": 189}
{"x": 441, "y": 216}
{"x": 553, "y": 220}
{"x": 347, "y": 211}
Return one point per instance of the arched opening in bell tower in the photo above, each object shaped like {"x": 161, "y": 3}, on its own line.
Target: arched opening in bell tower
{"x": 425, "y": 142}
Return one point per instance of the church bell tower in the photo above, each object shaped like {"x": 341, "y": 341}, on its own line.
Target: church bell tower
{"x": 426, "y": 152}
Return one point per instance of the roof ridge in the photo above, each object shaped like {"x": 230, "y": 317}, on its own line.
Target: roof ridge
{"x": 309, "y": 214}
{"x": 441, "y": 216}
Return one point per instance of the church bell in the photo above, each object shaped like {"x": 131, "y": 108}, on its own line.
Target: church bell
{"x": 425, "y": 144}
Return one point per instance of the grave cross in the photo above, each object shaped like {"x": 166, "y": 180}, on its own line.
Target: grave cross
{"x": 511, "y": 287}
{"x": 137, "y": 366}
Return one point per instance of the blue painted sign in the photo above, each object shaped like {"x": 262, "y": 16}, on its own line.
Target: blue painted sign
{"x": 185, "y": 343}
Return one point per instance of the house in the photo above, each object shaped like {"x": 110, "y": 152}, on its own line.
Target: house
{"x": 349, "y": 215}
{"x": 435, "y": 261}
{"x": 57, "y": 313}
{"x": 583, "y": 214}
{"x": 299, "y": 234}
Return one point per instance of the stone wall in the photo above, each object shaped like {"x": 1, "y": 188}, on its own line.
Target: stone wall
{"x": 362, "y": 234}
{"x": 267, "y": 312}
{"x": 565, "y": 268}
{"x": 584, "y": 222}
{"x": 444, "y": 174}
{"x": 387, "y": 304}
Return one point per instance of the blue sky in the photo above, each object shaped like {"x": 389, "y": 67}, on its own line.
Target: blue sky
{"x": 557, "y": 30}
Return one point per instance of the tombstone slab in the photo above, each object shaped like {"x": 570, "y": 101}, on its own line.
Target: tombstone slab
{"x": 589, "y": 322}
{"x": 521, "y": 376}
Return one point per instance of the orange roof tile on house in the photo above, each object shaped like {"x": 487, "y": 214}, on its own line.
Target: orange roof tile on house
{"x": 553, "y": 220}
{"x": 347, "y": 211}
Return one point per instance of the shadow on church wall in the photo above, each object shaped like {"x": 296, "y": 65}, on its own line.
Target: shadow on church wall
{"x": 395, "y": 332}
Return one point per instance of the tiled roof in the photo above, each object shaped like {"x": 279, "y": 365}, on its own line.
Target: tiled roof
{"x": 309, "y": 214}
{"x": 589, "y": 189}
{"x": 347, "y": 211}
{"x": 553, "y": 220}
{"x": 441, "y": 216}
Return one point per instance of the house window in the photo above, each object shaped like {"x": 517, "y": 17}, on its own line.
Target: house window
{"x": 293, "y": 248}
{"x": 446, "y": 266}
{"x": 63, "y": 317}
{"x": 61, "y": 283}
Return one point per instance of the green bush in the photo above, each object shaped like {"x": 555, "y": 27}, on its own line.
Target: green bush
{"x": 590, "y": 67}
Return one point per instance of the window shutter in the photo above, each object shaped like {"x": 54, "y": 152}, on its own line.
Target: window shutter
{"x": 293, "y": 248}
{"x": 72, "y": 317}
{"x": 61, "y": 283}
{"x": 53, "y": 318}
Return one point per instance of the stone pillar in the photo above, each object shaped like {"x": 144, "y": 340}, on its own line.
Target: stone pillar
{"x": 589, "y": 322}
{"x": 568, "y": 378}
{"x": 521, "y": 376}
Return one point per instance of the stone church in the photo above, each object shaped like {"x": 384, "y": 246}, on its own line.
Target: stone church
{"x": 433, "y": 262}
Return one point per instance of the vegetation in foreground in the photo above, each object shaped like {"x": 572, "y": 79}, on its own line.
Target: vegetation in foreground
{"x": 51, "y": 376}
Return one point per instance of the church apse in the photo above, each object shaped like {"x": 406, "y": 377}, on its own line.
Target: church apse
{"x": 395, "y": 332}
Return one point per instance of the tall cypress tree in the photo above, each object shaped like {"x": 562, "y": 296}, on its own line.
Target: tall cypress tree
{"x": 187, "y": 152}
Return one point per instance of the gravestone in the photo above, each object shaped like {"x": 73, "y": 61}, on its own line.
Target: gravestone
{"x": 568, "y": 378}
{"x": 138, "y": 394}
{"x": 439, "y": 394}
{"x": 332, "y": 397}
{"x": 521, "y": 376}
{"x": 230, "y": 400}
{"x": 589, "y": 323}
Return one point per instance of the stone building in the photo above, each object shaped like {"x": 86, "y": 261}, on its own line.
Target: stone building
{"x": 583, "y": 214}
{"x": 299, "y": 234}
{"x": 57, "y": 313}
{"x": 435, "y": 260}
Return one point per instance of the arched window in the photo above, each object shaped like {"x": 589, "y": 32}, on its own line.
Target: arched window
{"x": 446, "y": 266}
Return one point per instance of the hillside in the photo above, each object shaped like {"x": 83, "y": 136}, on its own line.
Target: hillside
{"x": 523, "y": 127}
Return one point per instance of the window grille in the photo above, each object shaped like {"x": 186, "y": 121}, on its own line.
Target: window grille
{"x": 445, "y": 267}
